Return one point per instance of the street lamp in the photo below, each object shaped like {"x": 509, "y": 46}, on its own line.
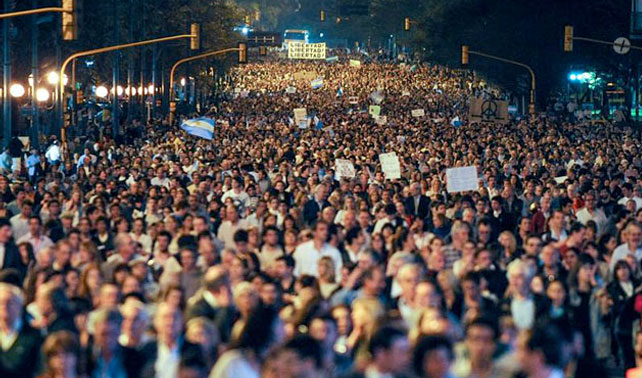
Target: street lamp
{"x": 42, "y": 95}
{"x": 54, "y": 78}
{"x": 17, "y": 90}
{"x": 183, "y": 82}
{"x": 101, "y": 92}
{"x": 150, "y": 89}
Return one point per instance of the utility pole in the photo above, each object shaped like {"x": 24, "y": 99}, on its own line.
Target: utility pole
{"x": 116, "y": 72}
{"x": 35, "y": 121}
{"x": 6, "y": 52}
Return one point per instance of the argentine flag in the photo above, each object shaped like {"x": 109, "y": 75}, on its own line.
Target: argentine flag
{"x": 316, "y": 83}
{"x": 199, "y": 127}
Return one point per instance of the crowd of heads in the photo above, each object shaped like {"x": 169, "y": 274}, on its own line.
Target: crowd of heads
{"x": 251, "y": 255}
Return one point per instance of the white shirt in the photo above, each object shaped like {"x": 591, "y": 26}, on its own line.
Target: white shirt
{"x": 226, "y": 232}
{"x": 7, "y": 339}
{"x": 598, "y": 216}
{"x": 38, "y": 243}
{"x": 2, "y": 252}
{"x": 232, "y": 364}
{"x": 622, "y": 251}
{"x": 144, "y": 239}
{"x": 19, "y": 226}
{"x": 243, "y": 198}
{"x": 624, "y": 200}
{"x": 166, "y": 365}
{"x": 523, "y": 312}
{"x": 307, "y": 257}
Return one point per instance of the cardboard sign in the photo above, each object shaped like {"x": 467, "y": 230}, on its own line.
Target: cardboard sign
{"x": 462, "y": 179}
{"x": 344, "y": 169}
{"x": 418, "y": 113}
{"x": 355, "y": 63}
{"x": 374, "y": 110}
{"x": 390, "y": 165}
{"x": 488, "y": 110}
{"x": 300, "y": 114}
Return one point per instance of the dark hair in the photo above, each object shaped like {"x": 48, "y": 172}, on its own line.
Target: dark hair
{"x": 384, "y": 338}
{"x": 546, "y": 339}
{"x": 486, "y": 322}
{"x": 257, "y": 335}
{"x": 306, "y": 347}
{"x": 352, "y": 234}
{"x": 289, "y": 261}
{"x": 426, "y": 345}
{"x": 241, "y": 236}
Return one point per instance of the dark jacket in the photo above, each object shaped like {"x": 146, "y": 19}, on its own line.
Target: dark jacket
{"x": 420, "y": 211}
{"x": 149, "y": 354}
{"x": 311, "y": 210}
{"x": 223, "y": 317}
{"x": 130, "y": 359}
{"x": 21, "y": 360}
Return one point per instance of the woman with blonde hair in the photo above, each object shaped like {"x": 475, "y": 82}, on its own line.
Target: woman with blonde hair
{"x": 245, "y": 300}
{"x": 509, "y": 246}
{"x": 366, "y": 313}
{"x": 327, "y": 279}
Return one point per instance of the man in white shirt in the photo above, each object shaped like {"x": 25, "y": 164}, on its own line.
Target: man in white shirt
{"x": 35, "y": 237}
{"x": 20, "y": 222}
{"x": 632, "y": 236}
{"x": 590, "y": 212}
{"x": 308, "y": 254}
{"x": 230, "y": 225}
{"x": 237, "y": 194}
{"x": 630, "y": 193}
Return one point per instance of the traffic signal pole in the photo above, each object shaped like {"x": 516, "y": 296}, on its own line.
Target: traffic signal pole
{"x": 61, "y": 87}
{"x": 172, "y": 103}
{"x": 531, "y": 106}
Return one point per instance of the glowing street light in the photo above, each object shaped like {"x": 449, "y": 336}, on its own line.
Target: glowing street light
{"x": 183, "y": 81}
{"x": 119, "y": 90}
{"x": 17, "y": 90}
{"x": 130, "y": 91}
{"x": 140, "y": 90}
{"x": 53, "y": 78}
{"x": 150, "y": 89}
{"x": 102, "y": 92}
{"x": 42, "y": 95}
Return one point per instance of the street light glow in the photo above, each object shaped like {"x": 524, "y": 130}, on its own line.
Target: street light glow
{"x": 42, "y": 95}
{"x": 150, "y": 89}
{"x": 140, "y": 90}
{"x": 119, "y": 90}
{"x": 53, "y": 78}
{"x": 183, "y": 81}
{"x": 17, "y": 90}
{"x": 101, "y": 92}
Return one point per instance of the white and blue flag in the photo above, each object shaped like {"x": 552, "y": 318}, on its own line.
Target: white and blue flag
{"x": 316, "y": 83}
{"x": 199, "y": 127}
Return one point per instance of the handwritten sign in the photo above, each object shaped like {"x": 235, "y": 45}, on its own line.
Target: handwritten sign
{"x": 462, "y": 179}
{"x": 418, "y": 113}
{"x": 390, "y": 165}
{"x": 344, "y": 169}
{"x": 374, "y": 110}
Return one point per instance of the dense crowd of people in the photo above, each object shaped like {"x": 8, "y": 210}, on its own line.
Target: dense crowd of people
{"x": 250, "y": 255}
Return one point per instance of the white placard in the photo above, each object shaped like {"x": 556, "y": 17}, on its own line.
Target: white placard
{"x": 355, "y": 63}
{"x": 418, "y": 113}
{"x": 462, "y": 179}
{"x": 304, "y": 123}
{"x": 390, "y": 165}
{"x": 344, "y": 168}
{"x": 302, "y": 50}
{"x": 381, "y": 120}
{"x": 353, "y": 100}
{"x": 290, "y": 90}
{"x": 561, "y": 179}
{"x": 300, "y": 114}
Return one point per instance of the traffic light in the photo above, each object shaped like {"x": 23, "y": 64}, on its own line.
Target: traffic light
{"x": 69, "y": 22}
{"x": 464, "y": 55}
{"x": 568, "y": 38}
{"x": 195, "y": 40}
{"x": 322, "y": 16}
{"x": 406, "y": 24}
{"x": 242, "y": 46}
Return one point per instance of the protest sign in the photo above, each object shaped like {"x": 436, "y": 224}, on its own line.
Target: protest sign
{"x": 305, "y": 75}
{"x": 390, "y": 165}
{"x": 344, "y": 169}
{"x": 374, "y": 110}
{"x": 355, "y": 63}
{"x": 300, "y": 114}
{"x": 418, "y": 113}
{"x": 316, "y": 83}
{"x": 302, "y": 50}
{"x": 290, "y": 90}
{"x": 377, "y": 97}
{"x": 488, "y": 110}
{"x": 333, "y": 58}
{"x": 353, "y": 100}
{"x": 462, "y": 179}
{"x": 381, "y": 120}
